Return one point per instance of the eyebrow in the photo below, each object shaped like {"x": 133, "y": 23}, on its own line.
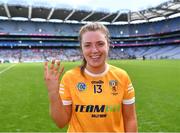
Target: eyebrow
{"x": 87, "y": 42}
{"x": 95, "y": 42}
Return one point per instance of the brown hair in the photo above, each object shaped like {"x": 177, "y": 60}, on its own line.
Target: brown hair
{"x": 92, "y": 27}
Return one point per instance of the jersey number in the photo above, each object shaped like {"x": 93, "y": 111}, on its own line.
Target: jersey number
{"x": 97, "y": 88}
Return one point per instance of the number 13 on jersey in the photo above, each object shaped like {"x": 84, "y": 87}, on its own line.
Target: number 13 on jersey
{"x": 97, "y": 88}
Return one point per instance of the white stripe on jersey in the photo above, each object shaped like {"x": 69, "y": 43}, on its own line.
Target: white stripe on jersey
{"x": 61, "y": 85}
{"x": 66, "y": 102}
{"x": 61, "y": 89}
{"x": 61, "y": 92}
{"x": 130, "y": 88}
{"x": 129, "y": 101}
{"x": 131, "y": 91}
{"x": 129, "y": 85}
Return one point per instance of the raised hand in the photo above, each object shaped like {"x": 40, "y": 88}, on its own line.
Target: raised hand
{"x": 52, "y": 75}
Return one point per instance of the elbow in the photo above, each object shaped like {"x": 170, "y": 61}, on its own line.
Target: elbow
{"x": 131, "y": 126}
{"x": 60, "y": 122}
{"x": 60, "y": 117}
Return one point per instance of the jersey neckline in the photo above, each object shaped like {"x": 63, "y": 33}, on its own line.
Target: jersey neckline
{"x": 99, "y": 74}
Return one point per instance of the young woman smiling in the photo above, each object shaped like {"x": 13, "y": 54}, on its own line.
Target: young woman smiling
{"x": 93, "y": 97}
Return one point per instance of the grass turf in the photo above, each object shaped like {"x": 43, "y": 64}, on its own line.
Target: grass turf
{"x": 24, "y": 103}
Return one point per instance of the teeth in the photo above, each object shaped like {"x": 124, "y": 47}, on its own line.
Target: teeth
{"x": 95, "y": 57}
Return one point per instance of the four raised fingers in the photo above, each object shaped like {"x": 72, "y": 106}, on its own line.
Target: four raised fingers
{"x": 54, "y": 70}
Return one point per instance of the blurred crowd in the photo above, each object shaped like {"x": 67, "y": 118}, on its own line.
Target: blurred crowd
{"x": 74, "y": 54}
{"x": 41, "y": 55}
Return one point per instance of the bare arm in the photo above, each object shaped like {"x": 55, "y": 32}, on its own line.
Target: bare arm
{"x": 129, "y": 116}
{"x": 60, "y": 114}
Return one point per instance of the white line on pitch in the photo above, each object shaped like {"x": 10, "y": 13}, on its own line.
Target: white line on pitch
{"x": 7, "y": 68}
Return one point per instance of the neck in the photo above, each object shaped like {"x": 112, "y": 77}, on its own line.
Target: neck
{"x": 96, "y": 70}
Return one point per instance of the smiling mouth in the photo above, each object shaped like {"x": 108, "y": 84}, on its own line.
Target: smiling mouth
{"x": 95, "y": 57}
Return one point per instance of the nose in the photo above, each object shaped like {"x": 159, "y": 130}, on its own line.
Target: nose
{"x": 94, "y": 49}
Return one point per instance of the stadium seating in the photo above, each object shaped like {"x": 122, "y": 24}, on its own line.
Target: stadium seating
{"x": 28, "y": 41}
{"x": 65, "y": 29}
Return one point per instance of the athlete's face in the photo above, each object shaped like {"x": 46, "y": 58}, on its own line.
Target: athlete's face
{"x": 95, "y": 49}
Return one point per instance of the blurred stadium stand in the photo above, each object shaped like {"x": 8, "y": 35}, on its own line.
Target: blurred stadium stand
{"x": 32, "y": 41}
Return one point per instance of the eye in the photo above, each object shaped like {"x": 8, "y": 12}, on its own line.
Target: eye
{"x": 101, "y": 44}
{"x": 87, "y": 45}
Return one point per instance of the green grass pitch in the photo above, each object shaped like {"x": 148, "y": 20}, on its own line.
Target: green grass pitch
{"x": 24, "y": 105}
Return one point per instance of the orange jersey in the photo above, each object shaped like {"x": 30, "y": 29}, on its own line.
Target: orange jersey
{"x": 96, "y": 99}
